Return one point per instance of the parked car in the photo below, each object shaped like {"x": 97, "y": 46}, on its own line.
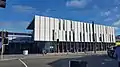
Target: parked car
{"x": 110, "y": 51}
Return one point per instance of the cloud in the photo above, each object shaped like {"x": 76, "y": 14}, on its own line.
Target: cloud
{"x": 117, "y": 23}
{"x": 48, "y": 12}
{"x": 115, "y": 9}
{"x": 24, "y": 8}
{"x": 116, "y": 28}
{"x": 118, "y": 16}
{"x": 95, "y": 7}
{"x": 77, "y": 3}
{"x": 117, "y": 2}
{"x": 14, "y": 25}
{"x": 107, "y": 13}
{"x": 108, "y": 19}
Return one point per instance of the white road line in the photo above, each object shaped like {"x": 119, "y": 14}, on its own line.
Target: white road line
{"x": 23, "y": 63}
{"x": 8, "y": 59}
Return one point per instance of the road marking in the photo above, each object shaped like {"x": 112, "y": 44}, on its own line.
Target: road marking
{"x": 8, "y": 59}
{"x": 23, "y": 63}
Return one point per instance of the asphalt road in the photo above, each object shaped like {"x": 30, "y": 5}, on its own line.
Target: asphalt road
{"x": 61, "y": 61}
{"x": 11, "y": 63}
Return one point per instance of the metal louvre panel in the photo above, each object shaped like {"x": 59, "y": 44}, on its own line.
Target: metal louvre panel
{"x": 88, "y": 32}
{"x": 46, "y": 28}
{"x": 60, "y": 35}
{"x": 45, "y": 25}
{"x": 37, "y": 29}
{"x": 114, "y": 35}
{"x": 56, "y": 24}
{"x": 75, "y": 29}
{"x": 97, "y": 33}
{"x": 63, "y": 35}
{"x": 81, "y": 29}
{"x": 51, "y": 28}
{"x": 42, "y": 27}
{"x": 68, "y": 25}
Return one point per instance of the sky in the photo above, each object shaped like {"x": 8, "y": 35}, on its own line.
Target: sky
{"x": 19, "y": 13}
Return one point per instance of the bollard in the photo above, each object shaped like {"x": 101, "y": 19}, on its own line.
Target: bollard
{"x": 77, "y": 63}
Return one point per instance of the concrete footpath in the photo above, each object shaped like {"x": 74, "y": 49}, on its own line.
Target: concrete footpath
{"x": 51, "y": 55}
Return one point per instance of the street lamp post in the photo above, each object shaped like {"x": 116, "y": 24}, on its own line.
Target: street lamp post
{"x": 2, "y": 34}
{"x": 94, "y": 39}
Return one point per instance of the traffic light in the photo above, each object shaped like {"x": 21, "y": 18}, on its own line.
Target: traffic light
{"x": 6, "y": 41}
{"x": 3, "y": 3}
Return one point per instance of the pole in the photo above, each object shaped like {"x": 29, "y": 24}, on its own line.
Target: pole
{"x": 2, "y": 45}
{"x": 94, "y": 45}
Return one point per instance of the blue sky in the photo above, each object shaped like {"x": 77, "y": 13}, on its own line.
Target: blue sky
{"x": 19, "y": 13}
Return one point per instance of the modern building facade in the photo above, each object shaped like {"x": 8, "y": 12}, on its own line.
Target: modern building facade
{"x": 17, "y": 43}
{"x": 61, "y": 35}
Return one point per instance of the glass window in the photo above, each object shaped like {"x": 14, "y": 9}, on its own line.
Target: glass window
{"x": 100, "y": 37}
{"x": 59, "y": 24}
{"x": 53, "y": 32}
{"x": 95, "y": 37}
{"x": 80, "y": 36}
{"x": 83, "y": 28}
{"x": 66, "y": 35}
{"x": 90, "y": 36}
{"x": 103, "y": 37}
{"x": 71, "y": 25}
{"x": 110, "y": 38}
{"x": 93, "y": 27}
{"x": 84, "y": 37}
{"x": 89, "y": 28}
{"x": 106, "y": 29}
{"x": 70, "y": 35}
{"x": 86, "y": 27}
{"x": 73, "y": 36}
{"x": 64, "y": 25}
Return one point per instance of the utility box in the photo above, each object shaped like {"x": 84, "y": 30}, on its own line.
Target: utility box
{"x": 77, "y": 63}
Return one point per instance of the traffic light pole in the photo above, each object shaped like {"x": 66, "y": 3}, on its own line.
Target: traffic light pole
{"x": 2, "y": 45}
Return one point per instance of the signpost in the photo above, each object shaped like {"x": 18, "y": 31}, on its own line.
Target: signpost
{"x": 2, "y": 44}
{"x": 2, "y": 5}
